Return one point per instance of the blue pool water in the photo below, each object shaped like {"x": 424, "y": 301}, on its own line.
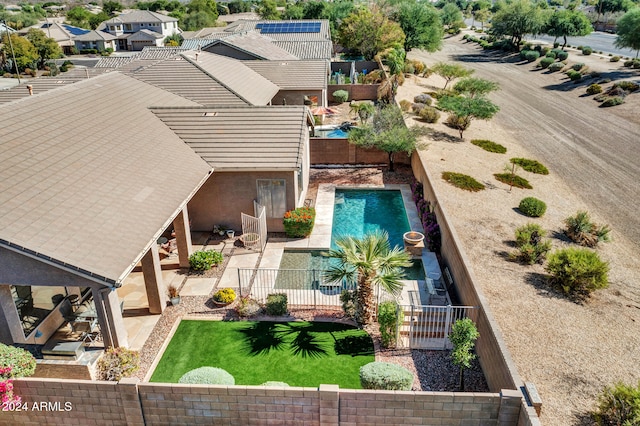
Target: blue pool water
{"x": 335, "y": 133}
{"x": 357, "y": 212}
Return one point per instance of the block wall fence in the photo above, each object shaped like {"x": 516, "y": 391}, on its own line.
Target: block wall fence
{"x": 131, "y": 403}
{"x": 340, "y": 151}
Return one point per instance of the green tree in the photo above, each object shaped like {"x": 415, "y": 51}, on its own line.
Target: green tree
{"x": 239, "y": 6}
{"x": 368, "y": 32}
{"x": 267, "y": 9}
{"x": 628, "y": 29}
{"x": 46, "y": 47}
{"x": 364, "y": 110}
{"x": 109, "y": 7}
{"x": 368, "y": 262}
{"x": 388, "y": 133}
{"x": 473, "y": 87}
{"x": 450, "y": 71}
{"x": 518, "y": 19}
{"x": 173, "y": 40}
{"x": 564, "y": 23}
{"x": 450, "y": 14}
{"x": 463, "y": 337}
{"x": 483, "y": 16}
{"x": 97, "y": 19}
{"x": 25, "y": 53}
{"x": 465, "y": 109}
{"x": 293, "y": 11}
{"x": 611, "y": 6}
{"x": 199, "y": 14}
{"x": 421, "y": 25}
{"x": 78, "y": 16}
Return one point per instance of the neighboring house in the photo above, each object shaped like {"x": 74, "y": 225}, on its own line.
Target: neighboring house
{"x": 98, "y": 40}
{"x": 139, "y": 28}
{"x": 249, "y": 45}
{"x": 63, "y": 34}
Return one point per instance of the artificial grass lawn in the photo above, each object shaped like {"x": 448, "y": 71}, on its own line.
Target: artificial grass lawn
{"x": 297, "y": 353}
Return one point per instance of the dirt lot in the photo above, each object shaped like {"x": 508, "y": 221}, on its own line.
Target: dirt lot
{"x": 569, "y": 350}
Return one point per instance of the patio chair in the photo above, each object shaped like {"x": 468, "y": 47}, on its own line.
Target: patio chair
{"x": 88, "y": 330}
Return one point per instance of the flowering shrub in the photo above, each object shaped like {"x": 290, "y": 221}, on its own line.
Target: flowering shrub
{"x": 19, "y": 361}
{"x": 224, "y": 295}
{"x": 427, "y": 217}
{"x": 6, "y": 388}
{"x": 117, "y": 363}
{"x": 299, "y": 222}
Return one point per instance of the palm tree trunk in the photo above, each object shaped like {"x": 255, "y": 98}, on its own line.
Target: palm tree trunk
{"x": 391, "y": 161}
{"x": 364, "y": 311}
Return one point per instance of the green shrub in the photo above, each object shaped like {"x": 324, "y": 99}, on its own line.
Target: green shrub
{"x": 405, "y": 105}
{"x": 408, "y": 68}
{"x": 341, "y": 96}
{"x": 612, "y": 101}
{"x": 203, "y": 260}
{"x": 416, "y": 108}
{"x": 117, "y": 363}
{"x": 276, "y": 304}
{"x": 389, "y": 319}
{"x": 531, "y": 243}
{"x": 545, "y": 62}
{"x": 586, "y": 50}
{"x": 532, "y": 207}
{"x": 532, "y": 166}
{"x": 550, "y": 54}
{"x": 574, "y": 75}
{"x": 21, "y": 362}
{"x": 224, "y": 295}
{"x": 423, "y": 99}
{"x": 529, "y": 55}
{"x": 556, "y": 66}
{"x": 513, "y": 180}
{"x": 462, "y": 181}
{"x": 562, "y": 55}
{"x": 275, "y": 384}
{"x": 618, "y": 405}
{"x": 207, "y": 376}
{"x": 577, "y": 66}
{"x": 247, "y": 307}
{"x": 583, "y": 231}
{"x": 615, "y": 59}
{"x": 490, "y": 146}
{"x": 594, "y": 89}
{"x": 298, "y": 223}
{"x": 577, "y": 271}
{"x": 429, "y": 114}
{"x": 385, "y": 376}
{"x": 629, "y": 86}
{"x": 631, "y": 63}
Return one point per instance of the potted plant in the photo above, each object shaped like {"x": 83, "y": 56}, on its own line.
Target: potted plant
{"x": 224, "y": 296}
{"x": 174, "y": 295}
{"x": 231, "y": 233}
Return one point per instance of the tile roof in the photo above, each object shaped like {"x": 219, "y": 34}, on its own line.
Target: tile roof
{"x": 138, "y": 16}
{"x": 94, "y": 35}
{"x": 255, "y": 44}
{"x": 293, "y": 75}
{"x": 246, "y": 138}
{"x": 90, "y": 175}
{"x": 323, "y": 34}
{"x": 309, "y": 49}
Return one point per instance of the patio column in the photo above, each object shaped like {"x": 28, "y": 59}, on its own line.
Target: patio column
{"x": 11, "y": 332}
{"x": 154, "y": 286}
{"x": 183, "y": 237}
{"x": 107, "y": 306}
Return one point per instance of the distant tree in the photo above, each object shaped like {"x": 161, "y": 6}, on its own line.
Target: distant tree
{"x": 239, "y": 6}
{"x": 463, "y": 337}
{"x": 368, "y": 31}
{"x": 46, "y": 47}
{"x": 611, "y": 6}
{"x": 421, "y": 25}
{"x": 450, "y": 71}
{"x": 173, "y": 40}
{"x": 267, "y": 9}
{"x": 563, "y": 23}
{"x": 109, "y": 7}
{"x": 450, "y": 14}
{"x": 473, "y": 87}
{"x": 25, "y": 53}
{"x": 338, "y": 11}
{"x": 628, "y": 30}
{"x": 199, "y": 14}
{"x": 464, "y": 109}
{"x": 518, "y": 19}
{"x": 293, "y": 11}
{"x": 97, "y": 19}
{"x": 78, "y": 16}
{"x": 316, "y": 9}
{"x": 483, "y": 16}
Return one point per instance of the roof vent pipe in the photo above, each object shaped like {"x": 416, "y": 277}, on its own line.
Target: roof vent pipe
{"x": 30, "y": 89}
{"x": 197, "y": 53}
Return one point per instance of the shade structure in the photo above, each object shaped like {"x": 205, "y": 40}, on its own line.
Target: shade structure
{"x": 321, "y": 110}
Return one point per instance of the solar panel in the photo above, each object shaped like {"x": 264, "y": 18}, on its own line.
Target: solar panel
{"x": 75, "y": 30}
{"x": 289, "y": 27}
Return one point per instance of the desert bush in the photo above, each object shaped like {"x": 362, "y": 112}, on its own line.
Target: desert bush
{"x": 618, "y": 405}
{"x": 385, "y": 376}
{"x": 389, "y": 319}
{"x": 203, "y": 260}
{"x": 556, "y": 66}
{"x": 574, "y": 75}
{"x": 490, "y": 146}
{"x": 275, "y": 384}
{"x": 276, "y": 304}
{"x": 457, "y": 122}
{"x": 513, "y": 180}
{"x": 631, "y": 63}
{"x": 341, "y": 96}
{"x": 532, "y": 207}
{"x": 550, "y": 54}
{"x": 462, "y": 181}
{"x": 594, "y": 89}
{"x": 577, "y": 271}
{"x": 531, "y": 243}
{"x": 562, "y": 55}
{"x": 224, "y": 295}
{"x": 429, "y": 114}
{"x": 586, "y": 50}
{"x": 583, "y": 231}
{"x": 614, "y": 59}
{"x": 577, "y": 66}
{"x": 545, "y": 62}
{"x": 408, "y": 68}
{"x": 423, "y": 98}
{"x": 612, "y": 101}
{"x": 418, "y": 67}
{"x": 247, "y": 307}
{"x": 18, "y": 361}
{"x": 207, "y": 376}
{"x": 529, "y": 55}
{"x": 628, "y": 86}
{"x": 298, "y": 223}
{"x": 117, "y": 363}
{"x": 417, "y": 107}
{"x": 405, "y": 105}
{"x": 532, "y": 166}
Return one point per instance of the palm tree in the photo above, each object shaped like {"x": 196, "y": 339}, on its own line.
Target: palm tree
{"x": 368, "y": 261}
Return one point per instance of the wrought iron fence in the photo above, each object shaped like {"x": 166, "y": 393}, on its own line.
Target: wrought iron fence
{"x": 428, "y": 327}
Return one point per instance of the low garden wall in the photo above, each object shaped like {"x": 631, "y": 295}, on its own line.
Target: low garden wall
{"x": 340, "y": 151}
{"x": 357, "y": 92}
{"x": 132, "y": 403}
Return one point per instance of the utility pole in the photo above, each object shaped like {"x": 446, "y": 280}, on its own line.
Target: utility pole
{"x": 13, "y": 54}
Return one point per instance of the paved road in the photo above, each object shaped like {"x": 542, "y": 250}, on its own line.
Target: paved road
{"x": 599, "y": 41}
{"x": 594, "y": 150}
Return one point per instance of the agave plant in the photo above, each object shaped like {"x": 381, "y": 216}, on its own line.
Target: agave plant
{"x": 583, "y": 231}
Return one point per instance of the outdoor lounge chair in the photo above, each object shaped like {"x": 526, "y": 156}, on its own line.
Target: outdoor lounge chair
{"x": 88, "y": 329}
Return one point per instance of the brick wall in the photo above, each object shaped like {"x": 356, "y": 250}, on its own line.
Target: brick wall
{"x": 131, "y": 403}
{"x": 340, "y": 151}
{"x": 357, "y": 92}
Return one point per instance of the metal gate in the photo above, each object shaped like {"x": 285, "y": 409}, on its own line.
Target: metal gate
{"x": 428, "y": 327}
{"x": 254, "y": 228}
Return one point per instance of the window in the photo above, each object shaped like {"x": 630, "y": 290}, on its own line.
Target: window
{"x": 127, "y": 27}
{"x": 272, "y": 194}
{"x": 35, "y": 303}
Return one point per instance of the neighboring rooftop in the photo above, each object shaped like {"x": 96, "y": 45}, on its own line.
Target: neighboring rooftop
{"x": 251, "y": 42}
{"x": 293, "y": 75}
{"x": 137, "y": 16}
